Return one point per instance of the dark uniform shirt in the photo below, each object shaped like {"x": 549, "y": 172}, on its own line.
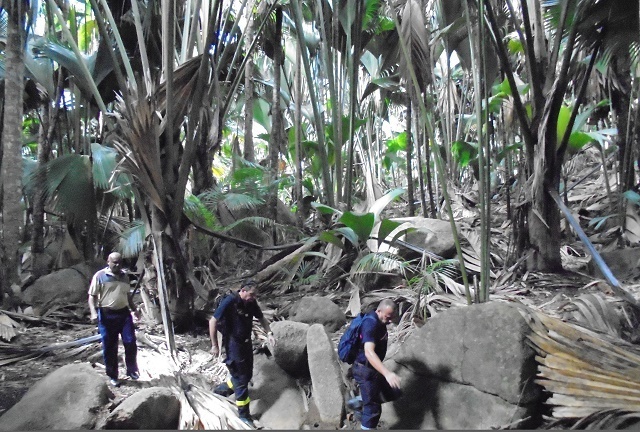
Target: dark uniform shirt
{"x": 373, "y": 330}
{"x": 236, "y": 317}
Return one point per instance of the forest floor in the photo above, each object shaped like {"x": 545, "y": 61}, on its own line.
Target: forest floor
{"x": 551, "y": 293}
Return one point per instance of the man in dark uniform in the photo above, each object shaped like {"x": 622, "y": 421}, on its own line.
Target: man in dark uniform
{"x": 234, "y": 319}
{"x": 377, "y": 383}
{"x": 111, "y": 306}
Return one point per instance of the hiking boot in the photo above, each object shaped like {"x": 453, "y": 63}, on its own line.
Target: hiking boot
{"x": 355, "y": 404}
{"x": 223, "y": 390}
{"x": 134, "y": 376}
{"x": 114, "y": 382}
{"x": 248, "y": 420}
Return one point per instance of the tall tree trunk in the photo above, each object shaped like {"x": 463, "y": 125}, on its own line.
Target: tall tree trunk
{"x": 276, "y": 124}
{"x": 249, "y": 151}
{"x": 409, "y": 152}
{"x": 37, "y": 234}
{"x": 12, "y": 213}
{"x": 300, "y": 212}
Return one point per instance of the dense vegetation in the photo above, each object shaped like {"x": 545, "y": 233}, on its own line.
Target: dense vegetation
{"x": 176, "y": 127}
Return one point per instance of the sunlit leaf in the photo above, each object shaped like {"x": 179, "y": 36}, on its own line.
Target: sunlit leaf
{"x": 360, "y": 224}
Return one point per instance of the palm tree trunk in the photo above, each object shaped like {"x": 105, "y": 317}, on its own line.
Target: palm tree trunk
{"x": 409, "y": 153}
{"x": 276, "y": 124}
{"x": 249, "y": 151}
{"x": 300, "y": 213}
{"x": 12, "y": 214}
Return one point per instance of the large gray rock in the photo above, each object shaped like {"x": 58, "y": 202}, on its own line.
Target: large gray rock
{"x": 290, "y": 351}
{"x": 150, "y": 408}
{"x": 433, "y": 235}
{"x": 318, "y": 310}
{"x": 276, "y": 400}
{"x": 475, "y": 365}
{"x": 66, "y": 286}
{"x": 326, "y": 377}
{"x": 67, "y": 398}
{"x": 481, "y": 345}
{"x": 429, "y": 404}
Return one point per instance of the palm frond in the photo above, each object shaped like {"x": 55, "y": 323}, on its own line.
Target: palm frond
{"x": 197, "y": 211}
{"x": 595, "y": 312}
{"x": 259, "y": 221}
{"x": 105, "y": 174}
{"x": 132, "y": 239}
{"x": 238, "y": 201}
{"x": 69, "y": 187}
{"x": 414, "y": 34}
{"x": 586, "y": 372}
{"x": 376, "y": 262}
{"x": 139, "y": 146}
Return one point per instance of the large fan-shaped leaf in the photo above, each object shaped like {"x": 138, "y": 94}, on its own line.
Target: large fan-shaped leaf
{"x": 70, "y": 188}
{"x": 132, "y": 239}
{"x": 104, "y": 172}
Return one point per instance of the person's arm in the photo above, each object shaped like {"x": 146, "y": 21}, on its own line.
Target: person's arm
{"x": 93, "y": 296}
{"x": 92, "y": 307}
{"x": 267, "y": 327}
{"x": 370, "y": 353}
{"x": 213, "y": 335}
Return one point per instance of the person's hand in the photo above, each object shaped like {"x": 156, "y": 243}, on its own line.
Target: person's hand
{"x": 215, "y": 351}
{"x": 393, "y": 379}
{"x": 94, "y": 319}
{"x": 271, "y": 339}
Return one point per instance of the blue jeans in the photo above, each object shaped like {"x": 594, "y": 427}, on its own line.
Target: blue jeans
{"x": 111, "y": 324}
{"x": 374, "y": 390}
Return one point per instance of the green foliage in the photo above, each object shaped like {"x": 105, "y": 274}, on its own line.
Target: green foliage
{"x": 131, "y": 240}
{"x": 105, "y": 173}
{"x": 68, "y": 187}
{"x": 197, "y": 211}
{"x": 360, "y": 224}
{"x": 464, "y": 152}
{"x": 376, "y": 262}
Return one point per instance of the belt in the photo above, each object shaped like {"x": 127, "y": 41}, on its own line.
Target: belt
{"x": 122, "y": 310}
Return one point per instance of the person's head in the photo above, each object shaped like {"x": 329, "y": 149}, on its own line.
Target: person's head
{"x": 114, "y": 261}
{"x": 249, "y": 291}
{"x": 386, "y": 310}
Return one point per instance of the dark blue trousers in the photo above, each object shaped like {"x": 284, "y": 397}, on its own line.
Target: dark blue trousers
{"x": 239, "y": 361}
{"x": 111, "y": 324}
{"x": 374, "y": 390}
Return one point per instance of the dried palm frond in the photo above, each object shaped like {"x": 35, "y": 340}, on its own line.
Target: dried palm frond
{"x": 585, "y": 371}
{"x": 213, "y": 412}
{"x": 7, "y": 327}
{"x": 595, "y": 312}
{"x": 139, "y": 144}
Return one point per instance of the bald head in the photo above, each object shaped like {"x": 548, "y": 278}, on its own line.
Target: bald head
{"x": 386, "y": 310}
{"x": 114, "y": 261}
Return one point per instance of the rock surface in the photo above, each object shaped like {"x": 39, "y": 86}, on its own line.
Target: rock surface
{"x": 67, "y": 398}
{"x": 150, "y": 408}
{"x": 318, "y": 310}
{"x": 473, "y": 357}
{"x": 277, "y": 401}
{"x": 433, "y": 235}
{"x": 290, "y": 351}
{"x": 326, "y": 377}
{"x": 72, "y": 286}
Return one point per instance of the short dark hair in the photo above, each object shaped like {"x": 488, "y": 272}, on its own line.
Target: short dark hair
{"x": 247, "y": 284}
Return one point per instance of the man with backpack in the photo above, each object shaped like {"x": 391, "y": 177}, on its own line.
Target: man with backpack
{"x": 234, "y": 319}
{"x": 377, "y": 383}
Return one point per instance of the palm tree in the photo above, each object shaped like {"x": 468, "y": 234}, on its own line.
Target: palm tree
{"x": 11, "y": 173}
